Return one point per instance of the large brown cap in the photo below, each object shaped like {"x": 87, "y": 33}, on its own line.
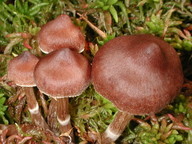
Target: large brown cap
{"x": 60, "y": 33}
{"x": 140, "y": 74}
{"x": 62, "y": 73}
{"x": 20, "y": 69}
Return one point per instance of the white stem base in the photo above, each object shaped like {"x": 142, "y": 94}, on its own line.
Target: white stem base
{"x": 64, "y": 122}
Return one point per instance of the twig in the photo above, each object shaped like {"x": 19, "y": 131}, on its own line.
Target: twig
{"x": 98, "y": 31}
{"x": 9, "y": 47}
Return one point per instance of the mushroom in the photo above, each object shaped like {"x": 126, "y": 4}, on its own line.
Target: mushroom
{"x": 60, "y": 33}
{"x": 139, "y": 74}
{"x": 62, "y": 74}
{"x": 20, "y": 71}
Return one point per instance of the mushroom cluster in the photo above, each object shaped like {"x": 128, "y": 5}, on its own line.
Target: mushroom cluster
{"x": 140, "y": 74}
{"x": 60, "y": 74}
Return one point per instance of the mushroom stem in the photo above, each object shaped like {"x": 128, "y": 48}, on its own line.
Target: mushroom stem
{"x": 44, "y": 104}
{"x": 34, "y": 108}
{"x": 63, "y": 116}
{"x": 51, "y": 117}
{"x": 116, "y": 127}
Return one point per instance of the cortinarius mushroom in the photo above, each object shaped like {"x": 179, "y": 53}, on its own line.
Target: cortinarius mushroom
{"x": 140, "y": 74}
{"x": 20, "y": 71}
{"x": 60, "y": 33}
{"x": 62, "y": 74}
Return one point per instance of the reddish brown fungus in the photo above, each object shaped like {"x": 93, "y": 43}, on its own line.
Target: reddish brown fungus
{"x": 60, "y": 33}
{"x": 62, "y": 74}
{"x": 20, "y": 71}
{"x": 140, "y": 74}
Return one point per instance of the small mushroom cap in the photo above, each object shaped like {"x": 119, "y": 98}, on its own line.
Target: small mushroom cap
{"x": 20, "y": 69}
{"x": 60, "y": 33}
{"x": 62, "y": 73}
{"x": 140, "y": 74}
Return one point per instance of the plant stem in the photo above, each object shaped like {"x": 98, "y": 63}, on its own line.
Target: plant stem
{"x": 9, "y": 47}
{"x": 34, "y": 108}
{"x": 116, "y": 127}
{"x": 97, "y": 30}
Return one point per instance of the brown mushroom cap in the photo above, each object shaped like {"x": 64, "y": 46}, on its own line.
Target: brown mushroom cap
{"x": 20, "y": 69}
{"x": 62, "y": 73}
{"x": 140, "y": 74}
{"x": 60, "y": 33}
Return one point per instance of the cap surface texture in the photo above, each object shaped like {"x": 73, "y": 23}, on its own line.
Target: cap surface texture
{"x": 20, "y": 69}
{"x": 140, "y": 74}
{"x": 62, "y": 73}
{"x": 60, "y": 33}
